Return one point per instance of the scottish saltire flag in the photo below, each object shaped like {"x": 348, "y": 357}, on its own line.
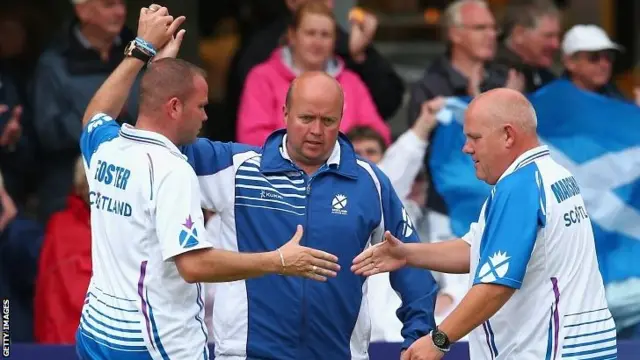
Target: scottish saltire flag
{"x": 598, "y": 140}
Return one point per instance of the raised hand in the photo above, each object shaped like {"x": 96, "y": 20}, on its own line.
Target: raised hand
{"x": 389, "y": 255}
{"x": 363, "y": 30}
{"x": 171, "y": 49}
{"x": 12, "y": 130}
{"x": 426, "y": 121}
{"x": 515, "y": 81}
{"x": 307, "y": 262}
{"x": 156, "y": 26}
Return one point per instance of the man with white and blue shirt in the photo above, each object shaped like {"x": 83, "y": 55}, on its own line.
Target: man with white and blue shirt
{"x": 149, "y": 248}
{"x": 305, "y": 174}
{"x": 536, "y": 289}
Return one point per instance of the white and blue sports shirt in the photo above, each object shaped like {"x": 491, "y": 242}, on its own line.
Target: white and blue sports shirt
{"x": 534, "y": 235}
{"x": 145, "y": 209}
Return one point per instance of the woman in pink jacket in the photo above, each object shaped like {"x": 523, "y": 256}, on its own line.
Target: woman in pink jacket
{"x": 311, "y": 41}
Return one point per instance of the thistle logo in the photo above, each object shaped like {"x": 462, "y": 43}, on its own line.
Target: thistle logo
{"x": 339, "y": 204}
{"x": 188, "y": 235}
{"x": 495, "y": 268}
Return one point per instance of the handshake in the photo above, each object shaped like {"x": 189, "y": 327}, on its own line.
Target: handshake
{"x": 297, "y": 260}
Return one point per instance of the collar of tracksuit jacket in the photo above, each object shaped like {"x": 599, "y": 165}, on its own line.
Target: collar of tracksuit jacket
{"x": 276, "y": 160}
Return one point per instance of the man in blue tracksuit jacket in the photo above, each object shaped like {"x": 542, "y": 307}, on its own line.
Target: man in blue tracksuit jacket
{"x": 307, "y": 174}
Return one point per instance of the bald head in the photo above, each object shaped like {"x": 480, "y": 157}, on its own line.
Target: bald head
{"x": 503, "y": 106}
{"x": 314, "y": 84}
{"x": 500, "y": 125}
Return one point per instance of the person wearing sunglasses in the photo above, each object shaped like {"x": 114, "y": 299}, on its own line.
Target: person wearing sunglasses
{"x": 588, "y": 56}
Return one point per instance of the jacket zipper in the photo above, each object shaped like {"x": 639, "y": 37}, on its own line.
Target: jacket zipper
{"x": 304, "y": 320}
{"x": 303, "y": 242}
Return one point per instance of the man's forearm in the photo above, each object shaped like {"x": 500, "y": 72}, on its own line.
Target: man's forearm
{"x": 213, "y": 265}
{"x": 450, "y": 256}
{"x": 112, "y": 95}
{"x": 480, "y": 304}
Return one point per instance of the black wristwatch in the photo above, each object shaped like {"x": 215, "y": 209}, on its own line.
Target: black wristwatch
{"x": 440, "y": 340}
{"x": 138, "y": 52}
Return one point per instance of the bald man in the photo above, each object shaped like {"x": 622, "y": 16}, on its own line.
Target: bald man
{"x": 536, "y": 290}
{"x": 305, "y": 174}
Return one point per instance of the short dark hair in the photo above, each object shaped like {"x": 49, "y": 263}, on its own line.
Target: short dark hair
{"x": 359, "y": 133}
{"x": 526, "y": 13}
{"x": 167, "y": 78}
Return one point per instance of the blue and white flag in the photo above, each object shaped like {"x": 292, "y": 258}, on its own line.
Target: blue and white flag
{"x": 595, "y": 138}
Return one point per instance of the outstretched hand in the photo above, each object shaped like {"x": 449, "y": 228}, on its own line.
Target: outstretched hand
{"x": 389, "y": 255}
{"x": 307, "y": 262}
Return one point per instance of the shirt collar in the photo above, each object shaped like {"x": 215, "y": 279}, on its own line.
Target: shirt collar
{"x": 148, "y": 137}
{"x": 526, "y": 158}
{"x": 334, "y": 158}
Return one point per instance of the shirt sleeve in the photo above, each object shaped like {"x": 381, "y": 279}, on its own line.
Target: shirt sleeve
{"x": 514, "y": 213}
{"x": 179, "y": 218}
{"x": 471, "y": 234}
{"x": 417, "y": 287}
{"x": 99, "y": 129}
{"x": 213, "y": 163}
{"x": 403, "y": 160}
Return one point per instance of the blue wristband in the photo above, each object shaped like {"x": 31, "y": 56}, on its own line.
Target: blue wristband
{"x": 146, "y": 45}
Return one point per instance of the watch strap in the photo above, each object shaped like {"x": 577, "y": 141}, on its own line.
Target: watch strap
{"x": 140, "y": 50}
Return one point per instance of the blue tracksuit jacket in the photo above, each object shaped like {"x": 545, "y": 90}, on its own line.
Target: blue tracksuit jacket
{"x": 346, "y": 205}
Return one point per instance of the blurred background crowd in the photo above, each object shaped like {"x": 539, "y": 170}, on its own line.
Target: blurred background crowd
{"x": 390, "y": 56}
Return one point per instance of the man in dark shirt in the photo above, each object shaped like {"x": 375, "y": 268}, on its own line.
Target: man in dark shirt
{"x": 466, "y": 68}
{"x": 531, "y": 41}
{"x": 66, "y": 77}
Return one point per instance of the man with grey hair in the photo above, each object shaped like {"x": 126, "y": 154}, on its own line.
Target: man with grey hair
{"x": 464, "y": 70}
{"x": 68, "y": 73}
{"x": 531, "y": 246}
{"x": 531, "y": 40}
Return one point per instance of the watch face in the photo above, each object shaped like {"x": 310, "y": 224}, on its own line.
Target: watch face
{"x": 439, "y": 339}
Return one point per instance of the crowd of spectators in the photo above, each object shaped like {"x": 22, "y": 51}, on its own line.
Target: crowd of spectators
{"x": 45, "y": 236}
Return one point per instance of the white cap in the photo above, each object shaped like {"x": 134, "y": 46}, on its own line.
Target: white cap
{"x": 587, "y": 38}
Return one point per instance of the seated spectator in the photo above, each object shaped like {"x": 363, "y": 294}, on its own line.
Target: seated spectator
{"x": 531, "y": 41}
{"x": 311, "y": 41}
{"x": 64, "y": 269}
{"x": 67, "y": 75}
{"x": 402, "y": 163}
{"x": 354, "y": 47}
{"x": 588, "y": 56}
{"x": 465, "y": 69}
